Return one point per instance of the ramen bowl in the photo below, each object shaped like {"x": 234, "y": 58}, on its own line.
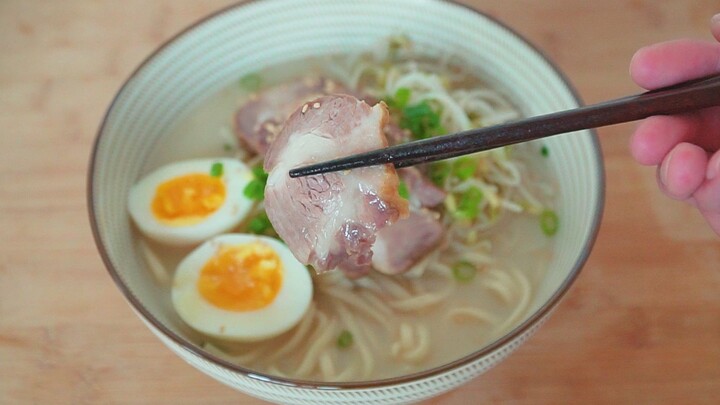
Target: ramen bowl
{"x": 255, "y": 35}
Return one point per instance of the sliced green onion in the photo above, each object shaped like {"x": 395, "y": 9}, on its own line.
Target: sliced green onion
{"x": 439, "y": 171}
{"x": 402, "y": 96}
{"x": 259, "y": 224}
{"x": 216, "y": 170}
{"x": 259, "y": 173}
{"x": 420, "y": 110}
{"x": 400, "y": 99}
{"x": 403, "y": 190}
{"x": 464, "y": 168}
{"x": 468, "y": 205}
{"x": 549, "y": 222}
{"x": 251, "y": 82}
{"x": 464, "y": 271}
{"x": 544, "y": 151}
{"x": 421, "y": 120}
{"x": 345, "y": 339}
{"x": 255, "y": 190}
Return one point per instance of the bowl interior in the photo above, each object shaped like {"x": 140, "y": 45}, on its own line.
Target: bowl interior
{"x": 247, "y": 38}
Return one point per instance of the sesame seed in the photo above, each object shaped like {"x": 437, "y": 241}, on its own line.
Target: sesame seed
{"x": 316, "y": 105}
{"x": 305, "y": 108}
{"x": 271, "y": 127}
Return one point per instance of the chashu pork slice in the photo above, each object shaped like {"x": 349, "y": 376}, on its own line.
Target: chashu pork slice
{"x": 258, "y": 122}
{"x": 401, "y": 246}
{"x": 423, "y": 192}
{"x": 331, "y": 220}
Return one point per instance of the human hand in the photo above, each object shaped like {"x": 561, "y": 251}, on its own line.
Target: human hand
{"x": 685, "y": 148}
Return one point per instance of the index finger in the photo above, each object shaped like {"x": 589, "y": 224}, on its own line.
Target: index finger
{"x": 673, "y": 62}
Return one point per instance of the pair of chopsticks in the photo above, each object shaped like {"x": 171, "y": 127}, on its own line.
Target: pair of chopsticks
{"x": 681, "y": 98}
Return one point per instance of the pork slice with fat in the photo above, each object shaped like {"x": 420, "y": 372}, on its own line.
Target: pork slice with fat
{"x": 423, "y": 192}
{"x": 331, "y": 220}
{"x": 259, "y": 121}
{"x": 400, "y": 246}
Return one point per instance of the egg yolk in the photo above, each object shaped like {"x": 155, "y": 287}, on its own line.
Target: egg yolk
{"x": 241, "y": 277}
{"x": 188, "y": 199}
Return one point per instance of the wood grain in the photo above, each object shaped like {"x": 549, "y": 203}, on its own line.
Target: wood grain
{"x": 641, "y": 325}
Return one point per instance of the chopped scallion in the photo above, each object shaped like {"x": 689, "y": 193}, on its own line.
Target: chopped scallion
{"x": 260, "y": 224}
{"x": 400, "y": 99}
{"x": 549, "y": 222}
{"x": 464, "y": 271}
{"x": 402, "y": 96}
{"x": 255, "y": 189}
{"x": 420, "y": 110}
{"x": 259, "y": 173}
{"x": 468, "y": 204}
{"x": 544, "y": 151}
{"x": 216, "y": 170}
{"x": 439, "y": 171}
{"x": 251, "y": 82}
{"x": 403, "y": 190}
{"x": 464, "y": 168}
{"x": 421, "y": 120}
{"x": 345, "y": 339}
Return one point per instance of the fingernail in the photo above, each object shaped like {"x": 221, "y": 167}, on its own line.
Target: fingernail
{"x": 715, "y": 19}
{"x": 664, "y": 167}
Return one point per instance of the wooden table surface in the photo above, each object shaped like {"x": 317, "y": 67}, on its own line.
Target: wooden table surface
{"x": 641, "y": 325}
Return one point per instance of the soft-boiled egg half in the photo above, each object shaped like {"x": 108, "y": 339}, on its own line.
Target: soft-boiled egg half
{"x": 241, "y": 287}
{"x": 187, "y": 202}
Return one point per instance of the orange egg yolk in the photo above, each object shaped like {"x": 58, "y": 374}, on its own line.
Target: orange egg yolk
{"x": 241, "y": 277}
{"x": 188, "y": 199}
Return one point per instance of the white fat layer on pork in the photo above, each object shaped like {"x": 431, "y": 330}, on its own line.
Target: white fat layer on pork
{"x": 294, "y": 156}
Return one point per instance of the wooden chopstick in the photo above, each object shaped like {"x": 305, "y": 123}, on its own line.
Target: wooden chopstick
{"x": 677, "y": 99}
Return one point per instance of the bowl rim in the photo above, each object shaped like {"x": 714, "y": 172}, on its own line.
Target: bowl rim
{"x": 468, "y": 359}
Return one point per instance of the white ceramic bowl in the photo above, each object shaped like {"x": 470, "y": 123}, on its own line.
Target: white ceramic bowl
{"x": 243, "y": 39}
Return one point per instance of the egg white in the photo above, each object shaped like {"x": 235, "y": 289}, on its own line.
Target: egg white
{"x": 236, "y": 176}
{"x": 287, "y": 309}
